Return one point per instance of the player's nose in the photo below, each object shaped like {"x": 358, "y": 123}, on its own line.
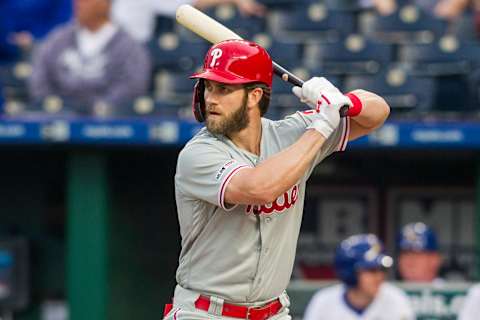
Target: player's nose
{"x": 211, "y": 97}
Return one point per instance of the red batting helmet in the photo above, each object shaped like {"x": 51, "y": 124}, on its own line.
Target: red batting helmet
{"x": 232, "y": 62}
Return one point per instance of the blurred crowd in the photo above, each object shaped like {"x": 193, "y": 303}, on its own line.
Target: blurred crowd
{"x": 124, "y": 58}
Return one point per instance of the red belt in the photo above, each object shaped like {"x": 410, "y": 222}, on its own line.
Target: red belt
{"x": 242, "y": 312}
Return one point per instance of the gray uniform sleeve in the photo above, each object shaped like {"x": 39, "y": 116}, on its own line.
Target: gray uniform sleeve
{"x": 204, "y": 171}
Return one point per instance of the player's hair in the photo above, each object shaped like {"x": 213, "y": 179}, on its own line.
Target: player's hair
{"x": 265, "y": 100}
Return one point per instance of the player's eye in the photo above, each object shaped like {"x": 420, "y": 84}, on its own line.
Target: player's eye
{"x": 224, "y": 89}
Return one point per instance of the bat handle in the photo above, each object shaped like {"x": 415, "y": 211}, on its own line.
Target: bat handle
{"x": 287, "y": 76}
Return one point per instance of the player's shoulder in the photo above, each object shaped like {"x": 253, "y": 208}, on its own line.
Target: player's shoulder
{"x": 329, "y": 294}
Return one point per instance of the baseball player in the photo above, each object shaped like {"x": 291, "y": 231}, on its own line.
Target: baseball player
{"x": 360, "y": 264}
{"x": 240, "y": 182}
{"x": 419, "y": 259}
{"x": 471, "y": 307}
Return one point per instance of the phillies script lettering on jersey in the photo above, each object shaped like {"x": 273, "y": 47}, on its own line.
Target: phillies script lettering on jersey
{"x": 282, "y": 203}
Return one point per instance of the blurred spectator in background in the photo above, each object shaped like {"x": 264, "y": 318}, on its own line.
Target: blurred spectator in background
{"x": 90, "y": 62}
{"x": 419, "y": 259}
{"x": 24, "y": 21}
{"x": 138, "y": 17}
{"x": 360, "y": 264}
{"x": 471, "y": 307}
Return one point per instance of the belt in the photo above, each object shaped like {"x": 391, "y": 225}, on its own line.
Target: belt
{"x": 243, "y": 312}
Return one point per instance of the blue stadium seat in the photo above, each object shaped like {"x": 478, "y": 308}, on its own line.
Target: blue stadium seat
{"x": 402, "y": 91}
{"x": 178, "y": 83}
{"x": 348, "y": 5}
{"x": 245, "y": 26}
{"x": 446, "y": 56}
{"x": 317, "y": 17}
{"x": 354, "y": 54}
{"x": 474, "y": 88}
{"x": 171, "y": 52}
{"x": 15, "y": 74}
{"x": 450, "y": 61}
{"x": 278, "y": 3}
{"x": 13, "y": 80}
{"x": 408, "y": 23}
{"x": 287, "y": 53}
{"x": 143, "y": 107}
{"x": 164, "y": 24}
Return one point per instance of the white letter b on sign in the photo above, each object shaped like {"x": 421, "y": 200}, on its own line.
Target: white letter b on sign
{"x": 216, "y": 53}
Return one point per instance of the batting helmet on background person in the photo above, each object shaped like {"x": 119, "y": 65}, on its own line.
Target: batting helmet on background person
{"x": 232, "y": 62}
{"x": 359, "y": 252}
{"x": 417, "y": 236}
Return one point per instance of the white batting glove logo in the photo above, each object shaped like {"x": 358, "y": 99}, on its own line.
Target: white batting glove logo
{"x": 322, "y": 96}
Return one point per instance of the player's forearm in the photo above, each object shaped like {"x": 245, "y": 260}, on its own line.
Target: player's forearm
{"x": 375, "y": 110}
{"x": 279, "y": 173}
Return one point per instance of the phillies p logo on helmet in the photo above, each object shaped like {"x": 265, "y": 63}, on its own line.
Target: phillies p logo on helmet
{"x": 216, "y": 54}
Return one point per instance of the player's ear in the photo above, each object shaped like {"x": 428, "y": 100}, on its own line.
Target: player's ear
{"x": 254, "y": 96}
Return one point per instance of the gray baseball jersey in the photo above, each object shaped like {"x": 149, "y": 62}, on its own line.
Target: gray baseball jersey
{"x": 240, "y": 253}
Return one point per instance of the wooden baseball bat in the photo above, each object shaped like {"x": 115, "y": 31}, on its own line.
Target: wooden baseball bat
{"x": 214, "y": 32}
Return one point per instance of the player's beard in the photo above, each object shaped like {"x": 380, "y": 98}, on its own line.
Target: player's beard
{"x": 236, "y": 122}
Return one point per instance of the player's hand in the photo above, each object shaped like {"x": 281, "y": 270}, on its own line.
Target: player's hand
{"x": 326, "y": 99}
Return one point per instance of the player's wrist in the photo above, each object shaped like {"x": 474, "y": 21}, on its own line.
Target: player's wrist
{"x": 357, "y": 105}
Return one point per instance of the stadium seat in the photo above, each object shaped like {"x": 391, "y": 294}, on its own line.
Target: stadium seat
{"x": 175, "y": 83}
{"x": 474, "y": 88}
{"x": 245, "y": 26}
{"x": 145, "y": 106}
{"x": 287, "y": 53}
{"x": 348, "y": 5}
{"x": 13, "y": 80}
{"x": 164, "y": 24}
{"x": 408, "y": 23}
{"x": 447, "y": 56}
{"x": 317, "y": 20}
{"x": 450, "y": 61}
{"x": 354, "y": 54}
{"x": 171, "y": 52}
{"x": 278, "y": 3}
{"x": 402, "y": 91}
